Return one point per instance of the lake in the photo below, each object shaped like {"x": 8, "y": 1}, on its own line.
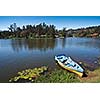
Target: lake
{"x": 19, "y": 54}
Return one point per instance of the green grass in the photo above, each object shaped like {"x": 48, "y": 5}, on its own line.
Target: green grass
{"x": 61, "y": 76}
{"x": 57, "y": 76}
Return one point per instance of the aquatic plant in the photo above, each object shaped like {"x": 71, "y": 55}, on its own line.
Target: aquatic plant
{"x": 29, "y": 74}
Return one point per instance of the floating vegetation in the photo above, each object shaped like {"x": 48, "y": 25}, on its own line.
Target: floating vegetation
{"x": 29, "y": 74}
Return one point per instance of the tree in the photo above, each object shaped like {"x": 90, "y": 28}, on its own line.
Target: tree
{"x": 13, "y": 27}
{"x": 64, "y": 32}
{"x": 51, "y": 31}
{"x": 44, "y": 30}
{"x": 23, "y": 28}
{"x": 18, "y": 32}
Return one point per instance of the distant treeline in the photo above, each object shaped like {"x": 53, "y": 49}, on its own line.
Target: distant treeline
{"x": 43, "y": 30}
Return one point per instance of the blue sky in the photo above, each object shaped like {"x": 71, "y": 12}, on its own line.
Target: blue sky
{"x": 58, "y": 21}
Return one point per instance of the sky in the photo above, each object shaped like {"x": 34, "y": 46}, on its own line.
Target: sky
{"x": 59, "y": 21}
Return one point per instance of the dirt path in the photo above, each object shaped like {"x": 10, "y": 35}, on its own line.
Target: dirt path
{"x": 93, "y": 77}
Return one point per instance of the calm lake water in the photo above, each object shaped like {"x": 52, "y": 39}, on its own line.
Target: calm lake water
{"x": 16, "y": 55}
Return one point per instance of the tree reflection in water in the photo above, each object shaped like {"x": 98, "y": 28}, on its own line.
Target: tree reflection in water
{"x": 33, "y": 44}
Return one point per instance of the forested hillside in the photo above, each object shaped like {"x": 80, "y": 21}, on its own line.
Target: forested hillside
{"x": 43, "y": 30}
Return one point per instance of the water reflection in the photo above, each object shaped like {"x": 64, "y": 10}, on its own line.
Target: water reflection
{"x": 36, "y": 44}
{"x": 90, "y": 43}
{"x": 47, "y": 44}
{"x": 81, "y": 42}
{"x": 63, "y": 42}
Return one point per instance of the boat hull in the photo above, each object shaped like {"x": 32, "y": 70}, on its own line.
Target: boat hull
{"x": 80, "y": 74}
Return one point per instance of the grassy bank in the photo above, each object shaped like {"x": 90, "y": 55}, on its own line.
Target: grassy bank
{"x": 58, "y": 75}
{"x": 55, "y": 76}
{"x": 63, "y": 76}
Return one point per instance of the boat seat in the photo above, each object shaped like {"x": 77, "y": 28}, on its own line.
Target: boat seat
{"x": 64, "y": 61}
{"x": 60, "y": 57}
{"x": 74, "y": 65}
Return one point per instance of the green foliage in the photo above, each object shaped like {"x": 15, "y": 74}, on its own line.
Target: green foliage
{"x": 29, "y": 74}
{"x": 57, "y": 76}
{"x": 37, "y": 75}
{"x": 47, "y": 31}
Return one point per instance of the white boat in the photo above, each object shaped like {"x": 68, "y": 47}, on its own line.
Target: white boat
{"x": 70, "y": 65}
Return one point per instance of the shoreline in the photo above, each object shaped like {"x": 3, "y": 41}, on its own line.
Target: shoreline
{"x": 50, "y": 38}
{"x": 59, "y": 75}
